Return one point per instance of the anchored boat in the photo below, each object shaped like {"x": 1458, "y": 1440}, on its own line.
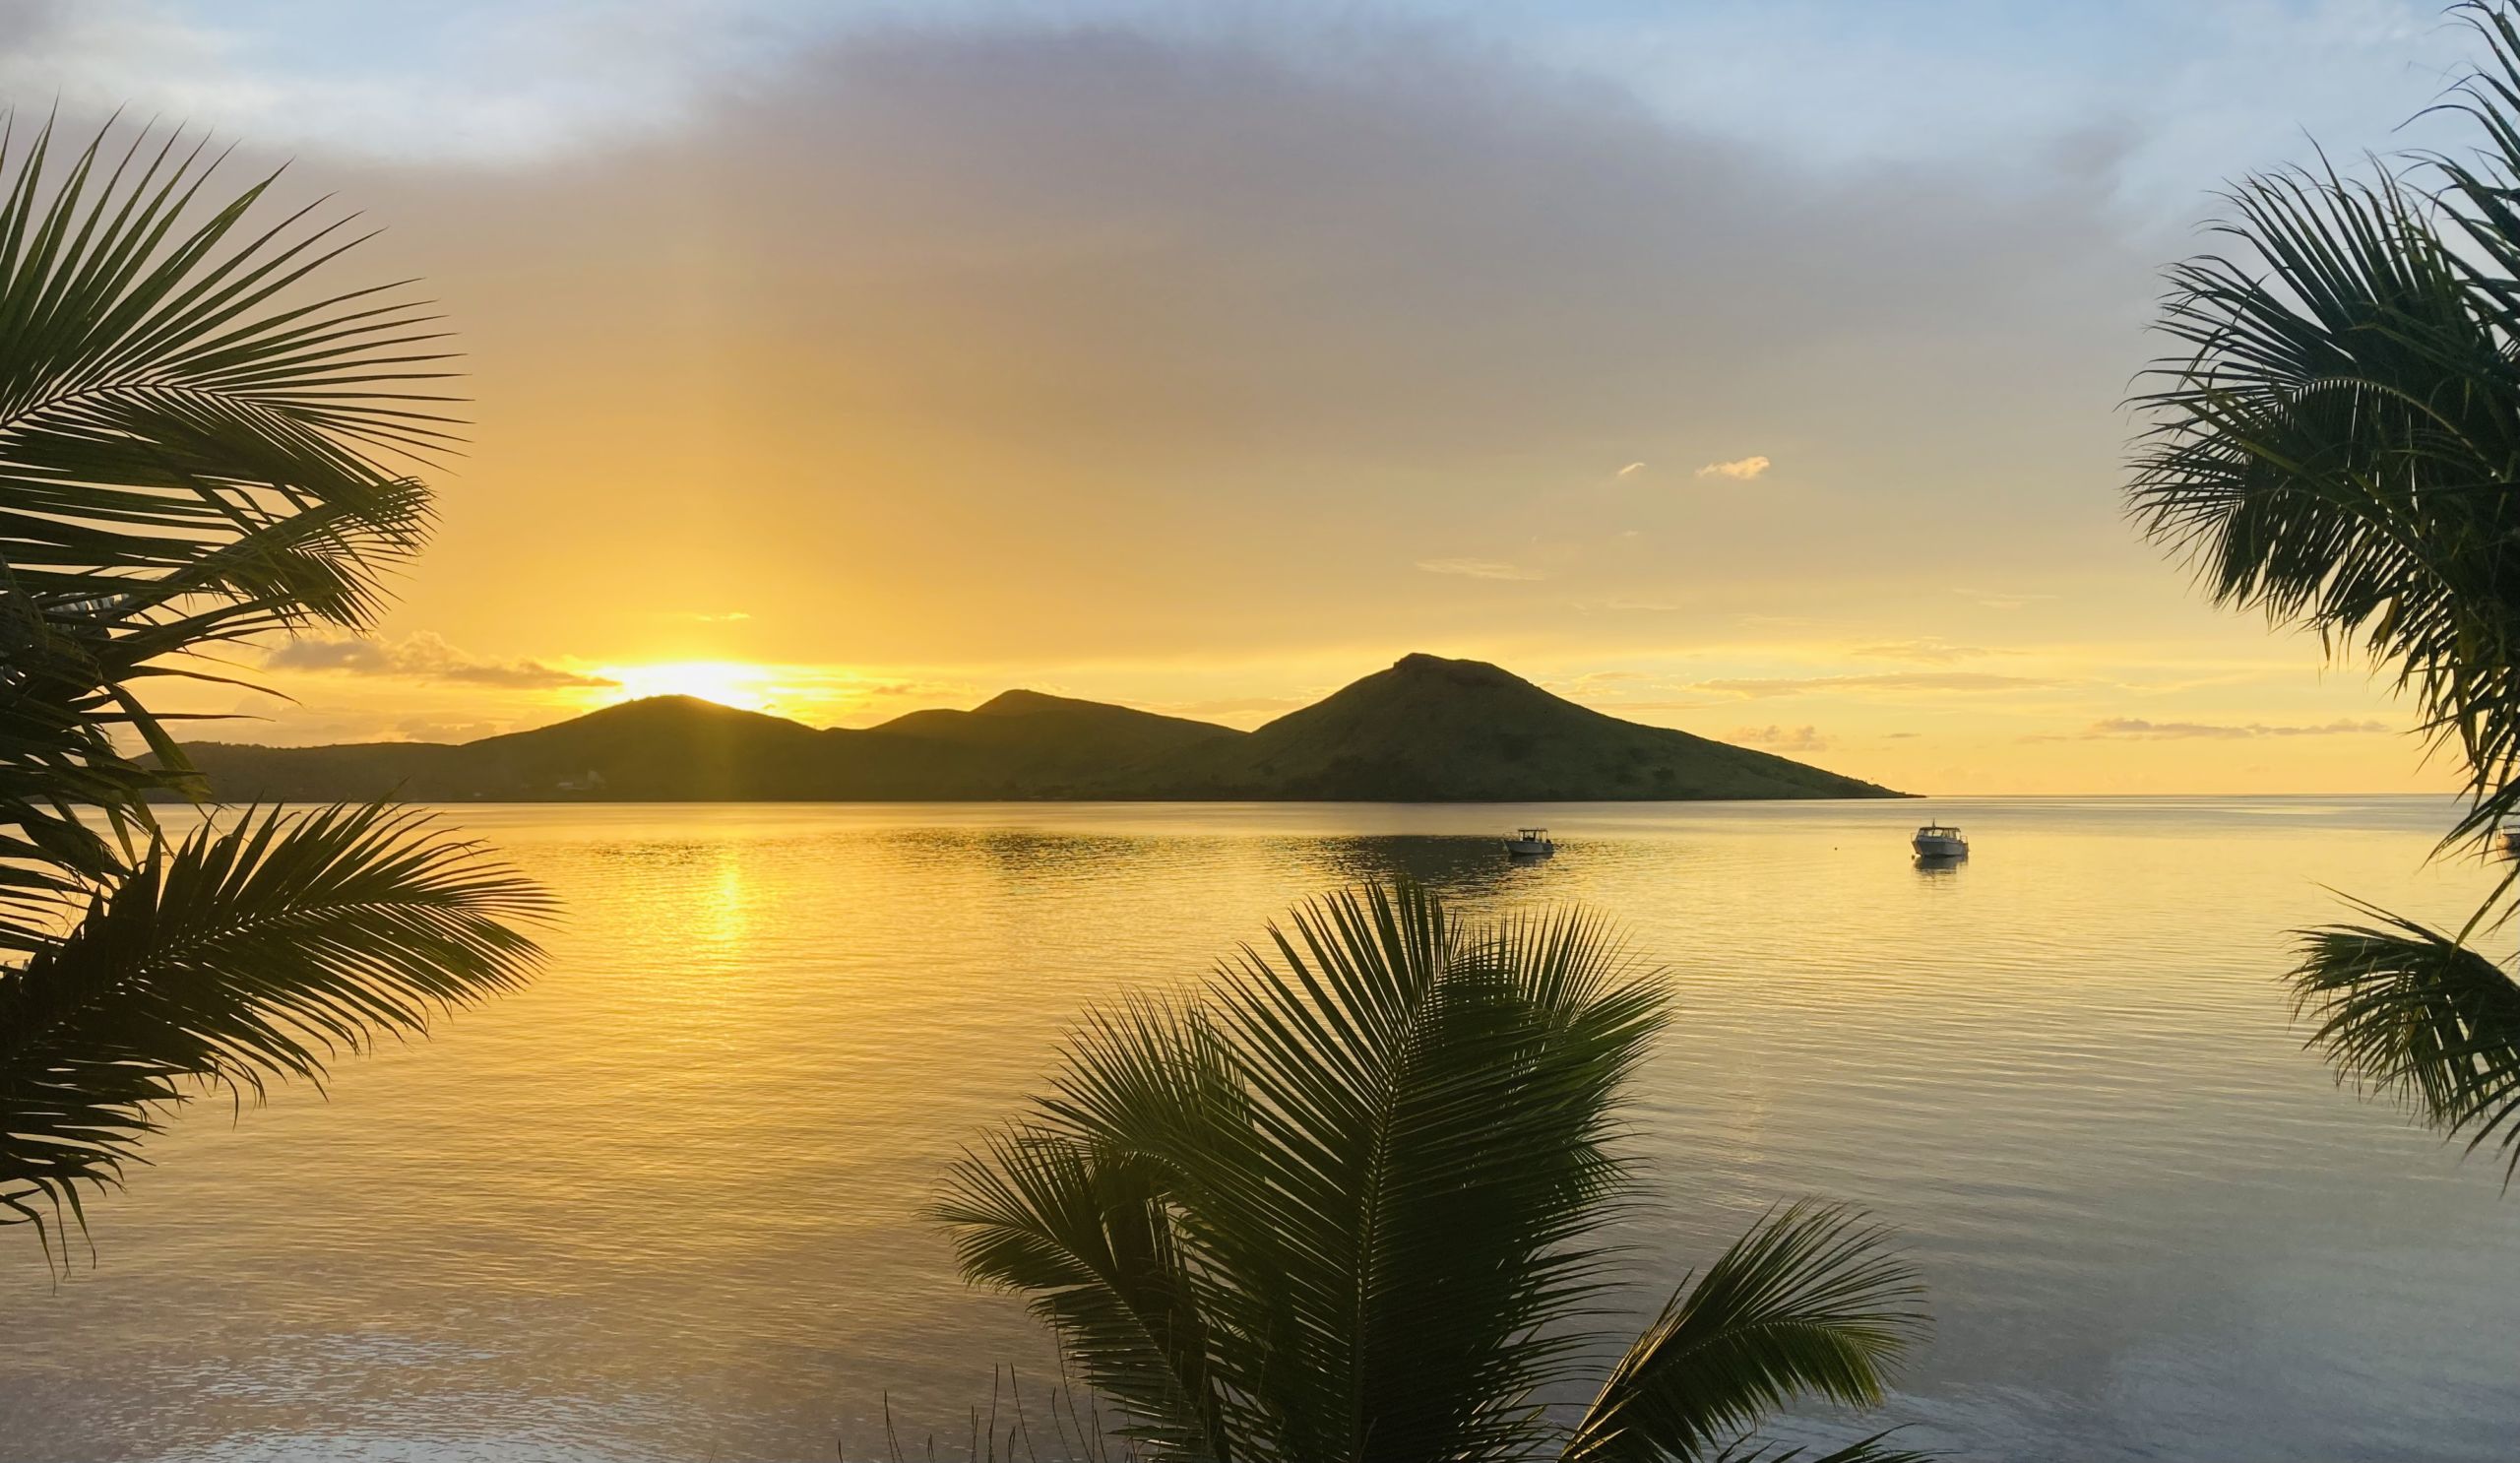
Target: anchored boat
{"x": 1940, "y": 841}
{"x": 1530, "y": 843}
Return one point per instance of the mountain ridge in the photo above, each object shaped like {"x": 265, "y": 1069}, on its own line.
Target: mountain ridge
{"x": 1425, "y": 729}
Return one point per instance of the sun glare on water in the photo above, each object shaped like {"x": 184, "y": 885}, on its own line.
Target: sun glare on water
{"x": 726, "y": 682}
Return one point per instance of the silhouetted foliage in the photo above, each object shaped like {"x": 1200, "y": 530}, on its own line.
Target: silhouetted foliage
{"x": 1348, "y": 1201}
{"x": 193, "y": 452}
{"x": 2338, "y": 445}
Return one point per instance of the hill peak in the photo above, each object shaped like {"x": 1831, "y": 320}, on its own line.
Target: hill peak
{"x": 645, "y": 708}
{"x": 1425, "y": 729}
{"x": 1022, "y": 703}
{"x": 1419, "y": 666}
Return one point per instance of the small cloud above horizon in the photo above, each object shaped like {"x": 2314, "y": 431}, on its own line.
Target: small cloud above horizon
{"x": 1739, "y": 470}
{"x": 1927, "y": 650}
{"x": 1775, "y": 739}
{"x": 2002, "y": 599}
{"x": 1630, "y": 471}
{"x": 1480, "y": 569}
{"x": 2138, "y": 730}
{"x": 422, "y": 656}
{"x": 1761, "y": 687}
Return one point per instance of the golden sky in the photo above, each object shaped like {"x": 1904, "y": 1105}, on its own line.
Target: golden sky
{"x": 1748, "y": 369}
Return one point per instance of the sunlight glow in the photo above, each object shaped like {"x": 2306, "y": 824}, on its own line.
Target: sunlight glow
{"x": 726, "y": 682}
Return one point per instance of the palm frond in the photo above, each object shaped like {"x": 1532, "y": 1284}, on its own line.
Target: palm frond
{"x": 1093, "y": 1239}
{"x": 1809, "y": 1303}
{"x": 2411, "y": 1013}
{"x": 2337, "y": 441}
{"x": 244, "y": 954}
{"x": 1347, "y": 1202}
{"x": 1081, "y": 1209}
{"x": 1412, "y": 1224}
{"x": 198, "y": 443}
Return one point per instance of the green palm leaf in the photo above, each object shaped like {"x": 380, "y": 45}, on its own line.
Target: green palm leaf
{"x": 1807, "y": 1302}
{"x": 194, "y": 448}
{"x": 2411, "y": 1013}
{"x": 243, "y": 954}
{"x": 2337, "y": 443}
{"x": 1348, "y": 1202}
{"x": 198, "y": 444}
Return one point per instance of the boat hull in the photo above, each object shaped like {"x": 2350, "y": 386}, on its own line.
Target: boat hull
{"x": 1516, "y": 848}
{"x": 1940, "y": 847}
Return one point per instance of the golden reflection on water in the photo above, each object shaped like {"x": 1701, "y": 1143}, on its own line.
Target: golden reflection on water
{"x": 663, "y": 1203}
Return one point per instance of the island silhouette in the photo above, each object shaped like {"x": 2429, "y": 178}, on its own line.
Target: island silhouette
{"x": 1428, "y": 730}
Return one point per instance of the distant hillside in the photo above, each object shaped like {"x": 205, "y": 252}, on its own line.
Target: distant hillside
{"x": 1426, "y": 730}
{"x": 1435, "y": 731}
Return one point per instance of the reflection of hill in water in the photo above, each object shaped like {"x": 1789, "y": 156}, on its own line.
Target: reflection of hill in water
{"x": 1043, "y": 859}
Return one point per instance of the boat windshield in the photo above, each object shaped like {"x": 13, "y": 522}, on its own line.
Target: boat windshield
{"x": 1531, "y": 834}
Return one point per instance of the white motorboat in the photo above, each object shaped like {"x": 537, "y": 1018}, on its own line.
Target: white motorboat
{"x": 1530, "y": 843}
{"x": 1940, "y": 841}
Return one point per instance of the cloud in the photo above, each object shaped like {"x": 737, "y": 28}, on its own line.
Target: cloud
{"x": 1927, "y": 650}
{"x": 1739, "y": 470}
{"x": 1619, "y": 708}
{"x": 1898, "y": 681}
{"x": 1900, "y": 735}
{"x": 1775, "y": 739}
{"x": 2002, "y": 599}
{"x": 1478, "y": 569}
{"x": 1630, "y": 471}
{"x": 707, "y": 618}
{"x": 2138, "y": 730}
{"x": 422, "y": 656}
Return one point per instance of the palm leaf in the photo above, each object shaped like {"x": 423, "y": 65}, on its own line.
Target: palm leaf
{"x": 1808, "y": 1304}
{"x": 197, "y": 444}
{"x": 2411, "y": 1013}
{"x": 244, "y": 954}
{"x": 1347, "y": 1202}
{"x": 2337, "y": 441}
{"x": 1092, "y": 1230}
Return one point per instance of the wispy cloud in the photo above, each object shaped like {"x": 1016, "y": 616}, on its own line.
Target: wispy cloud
{"x": 1739, "y": 470}
{"x": 708, "y": 617}
{"x": 1775, "y": 739}
{"x": 422, "y": 656}
{"x": 1478, "y": 569}
{"x": 1926, "y": 651}
{"x": 2137, "y": 730}
{"x": 2002, "y": 599}
{"x": 1630, "y": 471}
{"x": 1896, "y": 680}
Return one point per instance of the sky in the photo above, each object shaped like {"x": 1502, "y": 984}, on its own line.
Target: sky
{"x": 1750, "y": 368}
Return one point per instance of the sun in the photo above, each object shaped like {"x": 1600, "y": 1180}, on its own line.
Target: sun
{"x": 726, "y": 682}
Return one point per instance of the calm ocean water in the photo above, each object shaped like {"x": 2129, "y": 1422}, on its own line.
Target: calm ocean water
{"x": 662, "y": 1204}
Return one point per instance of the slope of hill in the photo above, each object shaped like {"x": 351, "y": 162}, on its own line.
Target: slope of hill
{"x": 1024, "y": 744}
{"x": 1434, "y": 731}
{"x": 1426, "y": 730}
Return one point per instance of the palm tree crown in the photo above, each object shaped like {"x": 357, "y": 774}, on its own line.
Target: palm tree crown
{"x": 1348, "y": 1202}
{"x": 2337, "y": 443}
